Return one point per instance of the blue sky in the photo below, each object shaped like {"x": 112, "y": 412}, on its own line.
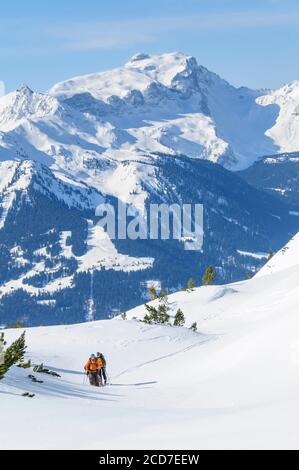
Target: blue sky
{"x": 247, "y": 42}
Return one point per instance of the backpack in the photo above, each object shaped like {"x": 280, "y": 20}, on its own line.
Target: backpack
{"x": 103, "y": 360}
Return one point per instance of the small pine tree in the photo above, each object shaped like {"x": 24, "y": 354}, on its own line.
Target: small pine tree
{"x": 2, "y": 356}
{"x": 39, "y": 368}
{"x": 156, "y": 315}
{"x": 193, "y": 327}
{"x": 163, "y": 316}
{"x": 179, "y": 319}
{"x": 152, "y": 292}
{"x": 248, "y": 275}
{"x": 16, "y": 325}
{"x": 124, "y": 316}
{"x": 163, "y": 296}
{"x": 43, "y": 370}
{"x": 153, "y": 313}
{"x": 209, "y": 276}
{"x": 191, "y": 284}
{"x": 14, "y": 354}
{"x": 25, "y": 365}
{"x": 147, "y": 319}
{"x": 270, "y": 255}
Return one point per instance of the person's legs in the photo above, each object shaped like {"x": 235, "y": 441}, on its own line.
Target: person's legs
{"x": 93, "y": 379}
{"x": 104, "y": 375}
{"x": 100, "y": 377}
{"x": 96, "y": 379}
{"x": 90, "y": 376}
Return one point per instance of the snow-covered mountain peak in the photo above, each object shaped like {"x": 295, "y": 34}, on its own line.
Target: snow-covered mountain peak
{"x": 166, "y": 69}
{"x": 156, "y": 104}
{"x": 25, "y": 90}
{"x": 291, "y": 87}
{"x": 165, "y": 103}
{"x": 285, "y": 131}
{"x": 138, "y": 57}
{"x": 103, "y": 86}
{"x": 142, "y": 73}
{"x": 287, "y": 94}
{"x": 23, "y": 104}
{"x": 169, "y": 60}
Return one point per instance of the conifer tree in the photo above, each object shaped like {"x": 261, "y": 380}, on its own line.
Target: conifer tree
{"x": 152, "y": 313}
{"x": 209, "y": 276}
{"x": 147, "y": 319}
{"x": 152, "y": 292}
{"x": 156, "y": 315}
{"x": 163, "y": 316}
{"x": 193, "y": 327}
{"x": 2, "y": 356}
{"x": 163, "y": 296}
{"x": 13, "y": 354}
{"x": 179, "y": 319}
{"x": 191, "y": 284}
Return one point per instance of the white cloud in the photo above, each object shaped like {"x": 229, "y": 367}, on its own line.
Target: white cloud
{"x": 118, "y": 34}
{"x": 107, "y": 34}
{"x": 46, "y": 38}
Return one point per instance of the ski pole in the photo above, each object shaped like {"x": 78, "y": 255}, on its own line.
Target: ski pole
{"x": 108, "y": 378}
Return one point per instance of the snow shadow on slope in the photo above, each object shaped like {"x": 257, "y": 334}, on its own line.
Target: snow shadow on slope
{"x": 57, "y": 387}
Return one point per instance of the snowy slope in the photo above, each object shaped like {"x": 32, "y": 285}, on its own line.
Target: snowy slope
{"x": 285, "y": 258}
{"x": 234, "y": 384}
{"x": 19, "y": 176}
{"x": 285, "y": 132}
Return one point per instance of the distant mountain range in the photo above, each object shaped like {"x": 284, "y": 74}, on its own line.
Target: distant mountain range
{"x": 161, "y": 129}
{"x": 277, "y": 175}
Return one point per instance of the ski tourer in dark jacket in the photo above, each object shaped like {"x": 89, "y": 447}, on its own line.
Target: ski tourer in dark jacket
{"x": 102, "y": 370}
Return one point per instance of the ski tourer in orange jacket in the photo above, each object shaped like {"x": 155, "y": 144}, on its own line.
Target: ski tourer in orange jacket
{"x": 92, "y": 370}
{"x": 92, "y": 364}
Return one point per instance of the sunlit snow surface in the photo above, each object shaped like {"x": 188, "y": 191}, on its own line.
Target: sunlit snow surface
{"x": 233, "y": 384}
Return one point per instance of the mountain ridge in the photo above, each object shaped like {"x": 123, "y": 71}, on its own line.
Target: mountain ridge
{"x": 53, "y": 250}
{"x": 163, "y": 104}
